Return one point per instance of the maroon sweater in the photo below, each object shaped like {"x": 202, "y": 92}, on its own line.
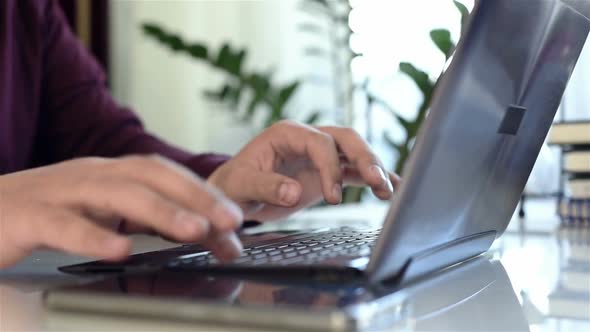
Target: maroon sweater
{"x": 54, "y": 104}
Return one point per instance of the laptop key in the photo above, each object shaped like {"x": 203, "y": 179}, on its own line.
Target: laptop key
{"x": 293, "y": 260}
{"x": 260, "y": 261}
{"x": 242, "y": 260}
{"x": 276, "y": 258}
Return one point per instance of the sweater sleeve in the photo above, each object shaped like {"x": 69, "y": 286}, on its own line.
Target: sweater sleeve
{"x": 79, "y": 115}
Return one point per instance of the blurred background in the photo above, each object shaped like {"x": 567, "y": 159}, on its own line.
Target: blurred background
{"x": 208, "y": 75}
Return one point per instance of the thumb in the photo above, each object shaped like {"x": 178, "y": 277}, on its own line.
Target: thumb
{"x": 271, "y": 188}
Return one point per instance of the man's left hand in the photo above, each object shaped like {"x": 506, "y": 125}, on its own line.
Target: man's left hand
{"x": 290, "y": 166}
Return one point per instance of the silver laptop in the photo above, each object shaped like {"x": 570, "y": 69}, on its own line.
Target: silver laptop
{"x": 473, "y": 296}
{"x": 467, "y": 170}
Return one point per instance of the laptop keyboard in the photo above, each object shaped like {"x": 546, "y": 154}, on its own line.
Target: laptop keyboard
{"x": 298, "y": 251}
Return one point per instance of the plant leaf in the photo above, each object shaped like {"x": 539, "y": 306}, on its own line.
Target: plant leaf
{"x": 390, "y": 141}
{"x": 223, "y": 55}
{"x": 313, "y": 117}
{"x": 260, "y": 83}
{"x": 175, "y": 42}
{"x": 275, "y": 115}
{"x": 234, "y": 95}
{"x": 464, "y": 14}
{"x": 418, "y": 76}
{"x": 286, "y": 93}
{"x": 233, "y": 61}
{"x": 251, "y": 108}
{"x": 152, "y": 29}
{"x": 198, "y": 51}
{"x": 219, "y": 95}
{"x": 442, "y": 40}
{"x": 406, "y": 124}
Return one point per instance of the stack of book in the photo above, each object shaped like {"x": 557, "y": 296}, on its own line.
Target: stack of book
{"x": 574, "y": 138}
{"x": 571, "y": 296}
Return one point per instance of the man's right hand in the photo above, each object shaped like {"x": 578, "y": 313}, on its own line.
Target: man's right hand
{"x": 73, "y": 206}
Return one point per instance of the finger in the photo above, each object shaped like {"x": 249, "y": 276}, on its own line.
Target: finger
{"x": 266, "y": 187}
{"x": 386, "y": 194}
{"x": 289, "y": 137}
{"x": 360, "y": 156}
{"x": 353, "y": 177}
{"x": 138, "y": 204}
{"x": 76, "y": 235}
{"x": 125, "y": 227}
{"x": 395, "y": 179}
{"x": 182, "y": 187}
{"x": 224, "y": 246}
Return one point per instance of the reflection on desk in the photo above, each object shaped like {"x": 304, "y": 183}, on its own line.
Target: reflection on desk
{"x": 463, "y": 298}
{"x": 571, "y": 296}
{"x": 533, "y": 254}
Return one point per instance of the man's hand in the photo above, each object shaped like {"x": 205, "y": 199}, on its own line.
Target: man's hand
{"x": 290, "y": 166}
{"x": 73, "y": 206}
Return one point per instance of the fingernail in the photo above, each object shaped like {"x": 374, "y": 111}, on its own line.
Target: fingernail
{"x": 377, "y": 171}
{"x": 389, "y": 186}
{"x": 230, "y": 214}
{"x": 191, "y": 223}
{"x": 337, "y": 193}
{"x": 288, "y": 193}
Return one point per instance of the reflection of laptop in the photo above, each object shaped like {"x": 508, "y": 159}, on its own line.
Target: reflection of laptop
{"x": 469, "y": 165}
{"x": 474, "y": 296}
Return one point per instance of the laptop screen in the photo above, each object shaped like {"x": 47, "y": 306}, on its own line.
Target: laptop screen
{"x": 487, "y": 123}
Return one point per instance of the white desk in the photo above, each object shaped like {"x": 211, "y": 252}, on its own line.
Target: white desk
{"x": 530, "y": 251}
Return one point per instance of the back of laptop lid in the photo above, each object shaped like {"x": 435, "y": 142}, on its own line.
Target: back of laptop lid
{"x": 487, "y": 123}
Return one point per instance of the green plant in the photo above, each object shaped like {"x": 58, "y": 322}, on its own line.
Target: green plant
{"x": 443, "y": 41}
{"x": 256, "y": 90}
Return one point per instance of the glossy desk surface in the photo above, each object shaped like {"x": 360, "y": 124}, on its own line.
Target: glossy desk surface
{"x": 526, "y": 268}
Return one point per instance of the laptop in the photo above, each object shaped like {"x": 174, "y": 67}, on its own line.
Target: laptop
{"x": 473, "y": 296}
{"x": 469, "y": 165}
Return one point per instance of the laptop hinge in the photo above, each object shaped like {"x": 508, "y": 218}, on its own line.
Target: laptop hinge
{"x": 442, "y": 256}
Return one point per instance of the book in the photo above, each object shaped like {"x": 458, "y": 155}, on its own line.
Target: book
{"x": 577, "y": 161}
{"x": 572, "y": 208}
{"x": 579, "y": 188}
{"x": 576, "y": 239}
{"x": 570, "y": 133}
